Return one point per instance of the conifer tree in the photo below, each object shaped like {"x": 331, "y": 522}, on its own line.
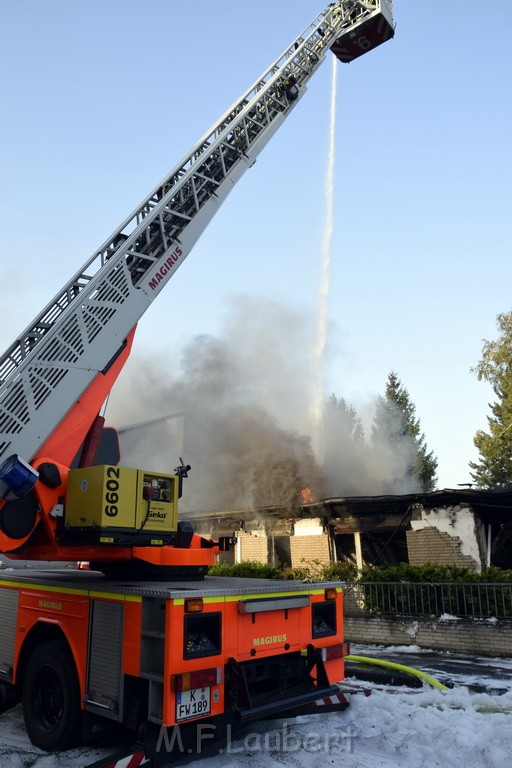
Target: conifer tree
{"x": 398, "y": 442}
{"x": 347, "y": 418}
{"x": 344, "y": 448}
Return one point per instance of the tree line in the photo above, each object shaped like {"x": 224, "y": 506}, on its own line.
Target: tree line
{"x": 393, "y": 460}
{"x": 493, "y": 469}
{"x": 397, "y": 444}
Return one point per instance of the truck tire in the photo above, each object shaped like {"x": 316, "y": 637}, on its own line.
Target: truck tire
{"x": 51, "y": 697}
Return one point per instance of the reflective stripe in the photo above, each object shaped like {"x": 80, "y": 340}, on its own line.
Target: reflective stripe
{"x": 70, "y": 591}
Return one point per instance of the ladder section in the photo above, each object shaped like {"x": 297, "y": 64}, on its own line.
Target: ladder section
{"x": 53, "y": 362}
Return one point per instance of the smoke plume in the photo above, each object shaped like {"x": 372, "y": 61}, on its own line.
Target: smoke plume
{"x": 239, "y": 412}
{"x": 238, "y": 408}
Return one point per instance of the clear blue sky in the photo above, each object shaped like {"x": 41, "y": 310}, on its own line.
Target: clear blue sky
{"x": 101, "y": 98}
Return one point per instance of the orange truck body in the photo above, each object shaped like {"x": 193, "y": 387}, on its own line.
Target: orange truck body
{"x": 168, "y": 650}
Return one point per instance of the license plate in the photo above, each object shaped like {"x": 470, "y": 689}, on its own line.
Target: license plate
{"x": 191, "y": 704}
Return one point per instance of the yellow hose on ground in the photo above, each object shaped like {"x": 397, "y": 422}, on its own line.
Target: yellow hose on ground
{"x": 483, "y": 708}
{"x": 400, "y": 668}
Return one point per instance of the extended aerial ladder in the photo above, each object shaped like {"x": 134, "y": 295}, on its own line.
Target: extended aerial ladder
{"x": 57, "y": 374}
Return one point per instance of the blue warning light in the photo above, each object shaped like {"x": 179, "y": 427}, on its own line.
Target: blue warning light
{"x": 17, "y": 476}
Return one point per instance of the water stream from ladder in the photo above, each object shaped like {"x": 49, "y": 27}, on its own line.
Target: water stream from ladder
{"x": 318, "y": 402}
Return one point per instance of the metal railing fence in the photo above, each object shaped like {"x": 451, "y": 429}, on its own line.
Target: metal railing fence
{"x": 463, "y": 600}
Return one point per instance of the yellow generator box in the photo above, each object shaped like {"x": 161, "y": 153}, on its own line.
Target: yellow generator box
{"x": 118, "y": 502}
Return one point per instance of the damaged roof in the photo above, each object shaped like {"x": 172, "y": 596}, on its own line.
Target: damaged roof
{"x": 492, "y": 506}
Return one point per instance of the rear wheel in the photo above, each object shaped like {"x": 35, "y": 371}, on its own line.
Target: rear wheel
{"x": 51, "y": 697}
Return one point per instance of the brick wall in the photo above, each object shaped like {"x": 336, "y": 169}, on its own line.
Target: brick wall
{"x": 462, "y": 636}
{"x": 429, "y": 545}
{"x": 252, "y": 547}
{"x": 305, "y": 550}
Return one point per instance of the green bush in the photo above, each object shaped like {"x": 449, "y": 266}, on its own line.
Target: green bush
{"x": 312, "y": 571}
{"x": 306, "y": 571}
{"x": 249, "y": 569}
{"x": 318, "y": 571}
{"x": 416, "y": 590}
{"x": 494, "y": 574}
{"x": 341, "y": 571}
{"x": 432, "y": 573}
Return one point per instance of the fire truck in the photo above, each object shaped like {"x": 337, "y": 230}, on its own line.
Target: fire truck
{"x": 144, "y": 638}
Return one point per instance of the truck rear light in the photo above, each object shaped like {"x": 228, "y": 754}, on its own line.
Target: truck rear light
{"x": 330, "y": 593}
{"x": 201, "y": 678}
{"x": 323, "y": 619}
{"x": 338, "y": 651}
{"x": 194, "y": 605}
